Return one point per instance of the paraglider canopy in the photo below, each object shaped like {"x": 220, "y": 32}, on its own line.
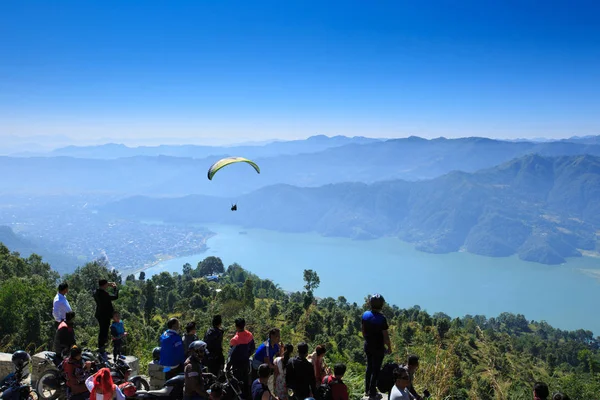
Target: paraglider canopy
{"x": 227, "y": 161}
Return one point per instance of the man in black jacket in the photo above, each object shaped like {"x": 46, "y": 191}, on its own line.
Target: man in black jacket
{"x": 300, "y": 374}
{"x": 104, "y": 310}
{"x": 214, "y": 342}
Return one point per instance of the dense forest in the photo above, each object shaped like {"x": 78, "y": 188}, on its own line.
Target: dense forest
{"x": 472, "y": 357}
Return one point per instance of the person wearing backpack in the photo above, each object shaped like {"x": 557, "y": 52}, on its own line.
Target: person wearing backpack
{"x": 333, "y": 387}
{"x": 375, "y": 332}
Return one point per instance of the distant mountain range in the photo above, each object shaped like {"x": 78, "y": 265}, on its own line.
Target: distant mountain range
{"x": 271, "y": 148}
{"x": 542, "y": 208}
{"x": 362, "y": 160}
{"x": 60, "y": 262}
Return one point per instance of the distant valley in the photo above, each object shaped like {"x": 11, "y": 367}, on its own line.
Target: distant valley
{"x": 544, "y": 209}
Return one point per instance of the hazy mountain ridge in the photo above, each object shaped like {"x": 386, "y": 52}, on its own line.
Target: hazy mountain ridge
{"x": 26, "y": 247}
{"x": 409, "y": 159}
{"x": 309, "y": 145}
{"x": 543, "y": 209}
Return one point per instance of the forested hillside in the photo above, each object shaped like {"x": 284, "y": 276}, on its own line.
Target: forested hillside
{"x": 472, "y": 357}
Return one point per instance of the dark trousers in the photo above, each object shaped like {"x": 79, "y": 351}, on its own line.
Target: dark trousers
{"x": 215, "y": 365}
{"x": 117, "y": 349}
{"x": 374, "y": 361}
{"x": 103, "y": 333}
{"x": 241, "y": 372}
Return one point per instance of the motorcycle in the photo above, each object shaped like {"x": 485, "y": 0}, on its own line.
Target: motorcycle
{"x": 172, "y": 390}
{"x": 121, "y": 371}
{"x": 53, "y": 382}
{"x": 13, "y": 388}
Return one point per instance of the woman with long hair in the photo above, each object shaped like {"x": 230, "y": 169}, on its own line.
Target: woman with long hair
{"x": 102, "y": 387}
{"x": 280, "y": 365}
{"x": 318, "y": 361}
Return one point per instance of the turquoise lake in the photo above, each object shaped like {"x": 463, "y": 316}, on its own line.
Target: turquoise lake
{"x": 456, "y": 283}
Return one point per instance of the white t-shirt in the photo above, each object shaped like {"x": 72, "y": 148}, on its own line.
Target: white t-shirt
{"x": 398, "y": 394}
{"x": 117, "y": 394}
{"x": 60, "y": 307}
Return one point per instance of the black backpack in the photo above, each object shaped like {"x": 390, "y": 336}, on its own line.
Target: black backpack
{"x": 324, "y": 391}
{"x": 386, "y": 377}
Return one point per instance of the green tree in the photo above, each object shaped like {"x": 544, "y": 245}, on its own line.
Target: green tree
{"x": 209, "y": 266}
{"x": 312, "y": 280}
{"x": 248, "y": 293}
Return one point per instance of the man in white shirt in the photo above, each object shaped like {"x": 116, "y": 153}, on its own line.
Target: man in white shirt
{"x": 400, "y": 388}
{"x": 61, "y": 305}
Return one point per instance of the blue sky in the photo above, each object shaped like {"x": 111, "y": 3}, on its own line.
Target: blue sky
{"x": 239, "y": 70}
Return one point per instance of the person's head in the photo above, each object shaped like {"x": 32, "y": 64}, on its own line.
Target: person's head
{"x": 274, "y": 336}
{"x": 70, "y": 317}
{"x": 339, "y": 370}
{"x": 173, "y": 324}
{"x": 376, "y": 302}
{"x": 216, "y": 391}
{"x": 288, "y": 350}
{"x": 190, "y": 328}
{"x": 303, "y": 350}
{"x": 320, "y": 350}
{"x": 217, "y": 321}
{"x": 413, "y": 363}
{"x": 116, "y": 316}
{"x": 264, "y": 371}
{"x": 103, "y": 284}
{"x": 75, "y": 353}
{"x": 540, "y": 390}
{"x": 63, "y": 288}
{"x": 401, "y": 377}
{"x": 103, "y": 383}
{"x": 198, "y": 349}
{"x": 240, "y": 324}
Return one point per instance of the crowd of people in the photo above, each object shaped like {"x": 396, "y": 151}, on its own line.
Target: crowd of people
{"x": 271, "y": 371}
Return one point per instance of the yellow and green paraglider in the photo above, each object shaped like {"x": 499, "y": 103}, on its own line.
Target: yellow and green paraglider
{"x": 225, "y": 162}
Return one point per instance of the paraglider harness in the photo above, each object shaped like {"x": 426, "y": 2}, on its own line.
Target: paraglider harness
{"x": 234, "y": 207}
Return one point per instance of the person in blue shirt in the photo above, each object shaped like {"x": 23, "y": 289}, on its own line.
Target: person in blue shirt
{"x": 375, "y": 332}
{"x": 117, "y": 331}
{"x": 172, "y": 352}
{"x": 266, "y": 352}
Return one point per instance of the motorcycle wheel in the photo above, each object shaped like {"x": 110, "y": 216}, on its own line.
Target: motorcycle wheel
{"x": 49, "y": 386}
{"x": 140, "y": 383}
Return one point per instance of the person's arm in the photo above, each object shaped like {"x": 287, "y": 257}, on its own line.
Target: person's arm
{"x": 252, "y": 346}
{"x": 313, "y": 384}
{"x": 114, "y": 296}
{"x": 266, "y": 395}
{"x": 120, "y": 395}
{"x": 363, "y": 329}
{"x": 89, "y": 383}
{"x": 387, "y": 341}
{"x": 113, "y": 332}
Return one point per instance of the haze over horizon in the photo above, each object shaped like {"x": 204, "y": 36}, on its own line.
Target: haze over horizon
{"x": 234, "y": 72}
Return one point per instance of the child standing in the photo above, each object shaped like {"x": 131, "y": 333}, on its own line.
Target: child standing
{"x": 117, "y": 330}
